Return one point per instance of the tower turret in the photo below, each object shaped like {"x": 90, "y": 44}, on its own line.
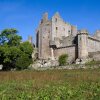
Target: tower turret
{"x": 30, "y": 40}
{"x": 82, "y": 44}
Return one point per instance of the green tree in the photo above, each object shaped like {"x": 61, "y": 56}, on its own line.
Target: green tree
{"x": 26, "y": 48}
{"x": 12, "y": 51}
{"x": 25, "y": 58}
{"x": 23, "y": 62}
{"x": 10, "y": 37}
{"x": 63, "y": 59}
{"x": 8, "y": 56}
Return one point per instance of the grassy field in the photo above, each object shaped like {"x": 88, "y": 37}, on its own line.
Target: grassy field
{"x": 50, "y": 85}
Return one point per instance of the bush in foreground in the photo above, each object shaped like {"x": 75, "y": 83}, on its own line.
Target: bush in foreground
{"x": 63, "y": 59}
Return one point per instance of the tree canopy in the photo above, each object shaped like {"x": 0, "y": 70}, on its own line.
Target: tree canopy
{"x": 13, "y": 52}
{"x": 10, "y": 37}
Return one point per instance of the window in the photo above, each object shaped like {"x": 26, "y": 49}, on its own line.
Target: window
{"x": 56, "y": 28}
{"x": 64, "y": 29}
{"x": 56, "y": 20}
{"x": 80, "y": 38}
{"x": 48, "y": 31}
{"x": 68, "y": 31}
{"x": 47, "y": 24}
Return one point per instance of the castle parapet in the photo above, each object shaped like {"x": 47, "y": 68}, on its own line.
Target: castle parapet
{"x": 83, "y": 31}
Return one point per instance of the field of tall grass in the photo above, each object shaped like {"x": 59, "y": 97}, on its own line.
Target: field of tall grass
{"x": 80, "y": 84}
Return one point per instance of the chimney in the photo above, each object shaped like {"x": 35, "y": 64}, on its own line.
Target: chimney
{"x": 45, "y": 17}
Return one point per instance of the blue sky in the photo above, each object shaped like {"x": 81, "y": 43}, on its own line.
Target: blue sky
{"x": 25, "y": 15}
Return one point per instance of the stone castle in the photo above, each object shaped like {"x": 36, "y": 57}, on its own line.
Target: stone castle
{"x": 55, "y": 37}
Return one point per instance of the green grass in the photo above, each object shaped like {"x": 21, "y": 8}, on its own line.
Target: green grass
{"x": 50, "y": 85}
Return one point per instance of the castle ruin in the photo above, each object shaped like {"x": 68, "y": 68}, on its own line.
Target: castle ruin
{"x": 55, "y": 37}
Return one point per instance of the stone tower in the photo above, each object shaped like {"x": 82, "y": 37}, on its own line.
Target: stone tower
{"x": 50, "y": 33}
{"x": 43, "y": 38}
{"x": 30, "y": 40}
{"x": 82, "y": 44}
{"x": 97, "y": 34}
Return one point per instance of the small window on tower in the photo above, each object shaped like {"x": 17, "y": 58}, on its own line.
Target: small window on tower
{"x": 48, "y": 31}
{"x": 56, "y": 19}
{"x": 64, "y": 29}
{"x": 80, "y": 38}
{"x": 56, "y": 28}
{"x": 69, "y": 31}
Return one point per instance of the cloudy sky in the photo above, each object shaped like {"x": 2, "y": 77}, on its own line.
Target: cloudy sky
{"x": 25, "y": 15}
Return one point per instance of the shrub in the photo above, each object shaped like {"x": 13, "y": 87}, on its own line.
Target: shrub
{"x": 93, "y": 62}
{"x": 23, "y": 62}
{"x": 63, "y": 59}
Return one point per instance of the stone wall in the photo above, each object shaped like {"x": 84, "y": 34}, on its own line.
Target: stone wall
{"x": 94, "y": 55}
{"x": 74, "y": 30}
{"x": 67, "y": 41}
{"x": 70, "y": 50}
{"x": 93, "y": 44}
{"x": 59, "y": 27}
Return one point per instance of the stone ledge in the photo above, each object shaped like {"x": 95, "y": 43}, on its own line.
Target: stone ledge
{"x": 69, "y": 67}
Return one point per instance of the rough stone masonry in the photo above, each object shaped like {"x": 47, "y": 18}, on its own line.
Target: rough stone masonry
{"x": 55, "y": 37}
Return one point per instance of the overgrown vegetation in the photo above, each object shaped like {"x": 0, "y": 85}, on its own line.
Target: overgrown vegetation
{"x": 50, "y": 85}
{"x": 93, "y": 62}
{"x": 14, "y": 54}
{"x": 63, "y": 59}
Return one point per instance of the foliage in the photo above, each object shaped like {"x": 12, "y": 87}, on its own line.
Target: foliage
{"x": 13, "y": 52}
{"x": 23, "y": 62}
{"x": 26, "y": 48}
{"x": 25, "y": 58}
{"x": 9, "y": 56}
{"x": 63, "y": 59}
{"x": 93, "y": 62}
{"x": 10, "y": 37}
